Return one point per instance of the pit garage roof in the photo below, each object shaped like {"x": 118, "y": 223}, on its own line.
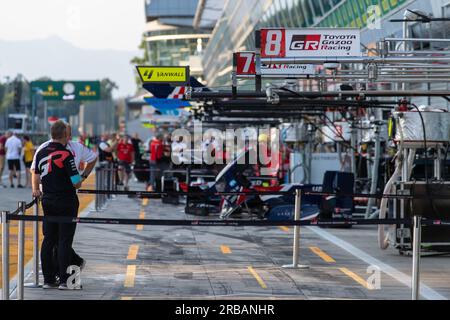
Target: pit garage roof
{"x": 207, "y": 14}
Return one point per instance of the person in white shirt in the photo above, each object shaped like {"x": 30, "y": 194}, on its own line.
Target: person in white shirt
{"x": 81, "y": 154}
{"x": 13, "y": 147}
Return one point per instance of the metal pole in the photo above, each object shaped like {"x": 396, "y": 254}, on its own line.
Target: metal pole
{"x": 102, "y": 185}
{"x": 362, "y": 60}
{"x": 297, "y": 213}
{"x": 416, "y": 257}
{"x": 105, "y": 183}
{"x": 258, "y": 78}
{"x": 21, "y": 253}
{"x": 110, "y": 180}
{"x": 310, "y": 155}
{"x": 405, "y": 45}
{"x": 353, "y": 144}
{"x": 114, "y": 179}
{"x": 5, "y": 256}
{"x": 375, "y": 168}
{"x": 296, "y": 245}
{"x": 438, "y": 164}
{"x": 97, "y": 187}
{"x": 36, "y": 245}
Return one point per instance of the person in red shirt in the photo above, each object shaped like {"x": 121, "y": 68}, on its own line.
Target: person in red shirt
{"x": 125, "y": 155}
{"x": 156, "y": 154}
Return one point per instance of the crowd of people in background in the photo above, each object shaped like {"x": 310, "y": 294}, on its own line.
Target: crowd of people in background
{"x": 123, "y": 150}
{"x": 126, "y": 152}
{"x": 14, "y": 151}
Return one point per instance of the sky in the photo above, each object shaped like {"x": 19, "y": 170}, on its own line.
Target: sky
{"x": 88, "y": 24}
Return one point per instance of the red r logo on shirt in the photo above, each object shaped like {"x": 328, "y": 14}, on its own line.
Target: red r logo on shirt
{"x": 59, "y": 161}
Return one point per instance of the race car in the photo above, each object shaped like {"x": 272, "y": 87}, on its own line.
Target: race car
{"x": 234, "y": 178}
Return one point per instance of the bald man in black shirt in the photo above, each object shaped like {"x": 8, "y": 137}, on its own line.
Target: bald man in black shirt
{"x": 56, "y": 170}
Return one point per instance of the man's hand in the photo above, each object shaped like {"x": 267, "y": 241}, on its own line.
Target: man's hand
{"x": 37, "y": 193}
{"x": 35, "y": 181}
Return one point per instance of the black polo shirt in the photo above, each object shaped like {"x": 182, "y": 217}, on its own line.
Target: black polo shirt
{"x": 56, "y": 166}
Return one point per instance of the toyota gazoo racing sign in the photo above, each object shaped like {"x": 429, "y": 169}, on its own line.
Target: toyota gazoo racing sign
{"x": 246, "y": 66}
{"x": 318, "y": 42}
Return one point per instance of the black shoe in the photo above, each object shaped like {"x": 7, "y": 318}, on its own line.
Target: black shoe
{"x": 20, "y": 186}
{"x": 12, "y": 186}
{"x": 64, "y": 286}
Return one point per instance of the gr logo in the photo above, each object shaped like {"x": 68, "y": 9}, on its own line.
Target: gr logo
{"x": 305, "y": 42}
{"x": 74, "y": 280}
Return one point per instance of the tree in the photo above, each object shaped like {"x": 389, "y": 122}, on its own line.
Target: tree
{"x": 6, "y": 100}
{"x": 107, "y": 86}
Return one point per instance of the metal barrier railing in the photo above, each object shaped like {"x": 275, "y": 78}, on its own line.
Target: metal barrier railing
{"x": 6, "y": 217}
{"x": 105, "y": 179}
{"x": 19, "y": 215}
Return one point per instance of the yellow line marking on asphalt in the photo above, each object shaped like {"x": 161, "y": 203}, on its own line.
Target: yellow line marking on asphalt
{"x": 145, "y": 202}
{"x": 126, "y": 298}
{"x": 140, "y": 227}
{"x": 132, "y": 252}
{"x": 225, "y": 249}
{"x": 286, "y": 229}
{"x": 355, "y": 277}
{"x": 322, "y": 254}
{"x": 129, "y": 278}
{"x": 257, "y": 277}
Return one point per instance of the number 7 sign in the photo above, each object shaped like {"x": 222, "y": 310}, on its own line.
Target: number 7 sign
{"x": 245, "y": 63}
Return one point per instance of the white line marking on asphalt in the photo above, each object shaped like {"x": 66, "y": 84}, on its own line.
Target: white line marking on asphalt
{"x": 425, "y": 291}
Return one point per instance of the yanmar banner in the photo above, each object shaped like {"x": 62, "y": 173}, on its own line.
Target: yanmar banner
{"x": 290, "y": 43}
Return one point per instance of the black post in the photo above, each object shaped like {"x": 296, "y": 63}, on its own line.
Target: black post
{"x": 258, "y": 78}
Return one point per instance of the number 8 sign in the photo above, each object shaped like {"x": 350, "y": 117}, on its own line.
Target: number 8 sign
{"x": 273, "y": 43}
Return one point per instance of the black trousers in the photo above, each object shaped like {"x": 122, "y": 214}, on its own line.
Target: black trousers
{"x": 58, "y": 236}
{"x": 76, "y": 260}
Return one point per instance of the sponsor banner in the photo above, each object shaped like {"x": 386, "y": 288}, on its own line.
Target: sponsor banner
{"x": 246, "y": 66}
{"x": 287, "y": 69}
{"x": 166, "y": 75}
{"x": 326, "y": 42}
{"x": 68, "y": 90}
